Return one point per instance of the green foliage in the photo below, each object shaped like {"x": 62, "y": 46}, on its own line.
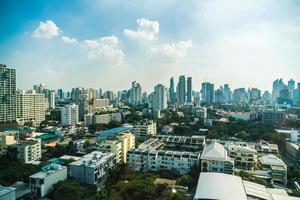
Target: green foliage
{"x": 11, "y": 170}
{"x": 68, "y": 189}
{"x": 293, "y": 173}
{"x": 249, "y": 177}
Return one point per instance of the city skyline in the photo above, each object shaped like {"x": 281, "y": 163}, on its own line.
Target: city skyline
{"x": 103, "y": 45}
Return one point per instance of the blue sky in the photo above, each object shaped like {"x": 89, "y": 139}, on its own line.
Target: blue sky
{"x": 110, "y": 43}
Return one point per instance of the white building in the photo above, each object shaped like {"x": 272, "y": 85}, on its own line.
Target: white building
{"x": 194, "y": 142}
{"x": 155, "y": 160}
{"x": 144, "y": 129}
{"x": 29, "y": 151}
{"x": 160, "y": 97}
{"x": 92, "y": 169}
{"x": 214, "y": 158}
{"x": 152, "y": 144}
{"x": 30, "y": 107}
{"x": 244, "y": 156}
{"x": 230, "y": 187}
{"x": 276, "y": 166}
{"x": 42, "y": 182}
{"x": 70, "y": 115}
{"x": 96, "y": 118}
{"x": 7, "y": 193}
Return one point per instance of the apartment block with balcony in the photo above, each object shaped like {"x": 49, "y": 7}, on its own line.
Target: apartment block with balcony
{"x": 244, "y": 156}
{"x": 215, "y": 158}
{"x": 144, "y": 129}
{"x": 156, "y": 160}
{"x": 194, "y": 142}
{"x": 30, "y": 150}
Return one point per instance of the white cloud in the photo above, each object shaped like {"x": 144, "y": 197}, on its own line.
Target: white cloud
{"x": 47, "y": 30}
{"x": 170, "y": 51}
{"x": 69, "y": 40}
{"x": 104, "y": 47}
{"x": 147, "y": 30}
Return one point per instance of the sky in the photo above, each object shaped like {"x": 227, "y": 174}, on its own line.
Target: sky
{"x": 110, "y": 43}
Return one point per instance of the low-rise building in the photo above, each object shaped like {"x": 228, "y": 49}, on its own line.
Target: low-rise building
{"x": 98, "y": 118}
{"x": 152, "y": 144}
{"x": 144, "y": 129}
{"x": 265, "y": 148}
{"x": 276, "y": 166}
{"x": 7, "y": 193}
{"x": 293, "y": 150}
{"x": 230, "y": 187}
{"x": 214, "y": 158}
{"x": 244, "y": 157}
{"x": 156, "y": 160}
{"x": 29, "y": 150}
{"x": 271, "y": 117}
{"x": 121, "y": 135}
{"x": 92, "y": 169}
{"x": 42, "y": 183}
{"x": 193, "y": 142}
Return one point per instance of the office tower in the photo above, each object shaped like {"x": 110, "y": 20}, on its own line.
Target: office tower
{"x": 278, "y": 85}
{"x": 109, "y": 95}
{"x": 240, "y": 95}
{"x": 181, "y": 89}
{"x": 70, "y": 115}
{"x": 227, "y": 92}
{"x": 135, "y": 93}
{"x": 172, "y": 90}
{"x": 267, "y": 97}
{"x": 207, "y": 93}
{"x": 160, "y": 97}
{"x": 51, "y": 99}
{"x": 219, "y": 96}
{"x": 197, "y": 99}
{"x": 30, "y": 107}
{"x": 189, "y": 89}
{"x": 255, "y": 94}
{"x": 7, "y": 94}
{"x": 291, "y": 88}
{"x": 60, "y": 95}
{"x": 298, "y": 93}
{"x": 100, "y": 94}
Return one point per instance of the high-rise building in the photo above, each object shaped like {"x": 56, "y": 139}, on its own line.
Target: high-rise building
{"x": 172, "y": 90}
{"x": 291, "y": 88}
{"x": 227, "y": 93}
{"x": 70, "y": 115}
{"x": 181, "y": 89}
{"x": 278, "y": 85}
{"x": 219, "y": 96}
{"x": 60, "y": 95}
{"x": 240, "y": 95}
{"x": 30, "y": 107}
{"x": 7, "y": 94}
{"x": 51, "y": 99}
{"x": 255, "y": 94}
{"x": 207, "y": 93}
{"x": 189, "y": 89}
{"x": 160, "y": 97}
{"x": 135, "y": 93}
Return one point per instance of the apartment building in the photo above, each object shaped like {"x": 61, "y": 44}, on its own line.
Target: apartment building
{"x": 215, "y": 158}
{"x": 155, "y": 160}
{"x": 30, "y": 107}
{"x": 70, "y": 115}
{"x": 113, "y": 146}
{"x": 144, "y": 129}
{"x": 90, "y": 119}
{"x": 244, "y": 156}
{"x": 263, "y": 147}
{"x": 92, "y": 169}
{"x": 30, "y": 150}
{"x": 276, "y": 166}
{"x": 42, "y": 183}
{"x": 152, "y": 144}
{"x": 193, "y": 142}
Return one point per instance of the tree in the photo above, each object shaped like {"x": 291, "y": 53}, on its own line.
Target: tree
{"x": 68, "y": 189}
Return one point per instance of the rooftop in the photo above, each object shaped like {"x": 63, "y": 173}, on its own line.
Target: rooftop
{"x": 5, "y": 190}
{"x": 111, "y": 133}
{"x": 93, "y": 159}
{"x": 271, "y": 159}
{"x": 220, "y": 186}
{"x": 48, "y": 170}
{"x": 214, "y": 151}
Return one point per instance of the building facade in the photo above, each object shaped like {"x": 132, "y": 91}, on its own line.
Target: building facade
{"x": 70, "y": 115}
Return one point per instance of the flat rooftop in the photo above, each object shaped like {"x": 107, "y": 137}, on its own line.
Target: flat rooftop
{"x": 6, "y": 190}
{"x": 112, "y": 132}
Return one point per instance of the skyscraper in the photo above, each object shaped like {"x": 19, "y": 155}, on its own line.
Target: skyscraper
{"x": 189, "y": 89}
{"x": 172, "y": 90}
{"x": 207, "y": 93}
{"x": 291, "y": 88}
{"x": 135, "y": 93}
{"x": 278, "y": 85}
{"x": 181, "y": 89}
{"x": 7, "y": 94}
{"x": 227, "y": 93}
{"x": 160, "y": 97}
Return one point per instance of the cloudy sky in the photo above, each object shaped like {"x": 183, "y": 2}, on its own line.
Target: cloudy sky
{"x": 110, "y": 43}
